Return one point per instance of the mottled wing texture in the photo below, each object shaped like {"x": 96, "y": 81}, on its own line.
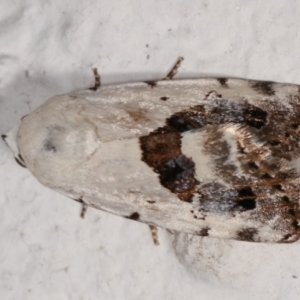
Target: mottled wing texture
{"x": 211, "y": 157}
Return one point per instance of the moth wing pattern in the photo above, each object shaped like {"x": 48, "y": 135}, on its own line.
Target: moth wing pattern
{"x": 210, "y": 157}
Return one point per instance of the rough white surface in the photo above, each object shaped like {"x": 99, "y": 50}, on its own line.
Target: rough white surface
{"x": 49, "y": 48}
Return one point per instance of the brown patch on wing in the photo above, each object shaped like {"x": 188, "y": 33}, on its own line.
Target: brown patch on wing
{"x": 162, "y": 152}
{"x": 134, "y": 216}
{"x": 138, "y": 115}
{"x": 259, "y": 181}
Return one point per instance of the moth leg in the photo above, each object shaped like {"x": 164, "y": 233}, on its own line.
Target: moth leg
{"x": 83, "y": 210}
{"x": 154, "y": 234}
{"x": 174, "y": 70}
{"x": 97, "y": 80}
{"x": 170, "y": 75}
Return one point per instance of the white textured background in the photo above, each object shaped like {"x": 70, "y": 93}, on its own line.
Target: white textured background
{"x": 49, "y": 48}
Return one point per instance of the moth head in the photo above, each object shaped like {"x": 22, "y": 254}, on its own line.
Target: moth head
{"x": 55, "y": 140}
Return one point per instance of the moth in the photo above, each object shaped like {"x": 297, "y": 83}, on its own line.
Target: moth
{"x": 212, "y": 157}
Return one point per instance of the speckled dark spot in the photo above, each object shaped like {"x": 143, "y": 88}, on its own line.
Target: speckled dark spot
{"x": 164, "y": 98}
{"x": 252, "y": 165}
{"x": 204, "y": 231}
{"x": 49, "y": 146}
{"x": 247, "y": 234}
{"x": 287, "y": 236}
{"x": 278, "y": 187}
{"x": 218, "y": 198}
{"x": 294, "y": 126}
{"x": 295, "y": 224}
{"x": 151, "y": 83}
{"x": 291, "y": 212}
{"x": 223, "y": 81}
{"x": 263, "y": 87}
{"x": 134, "y": 216}
{"x": 255, "y": 116}
{"x": 186, "y": 120}
{"x": 246, "y": 204}
{"x": 246, "y": 193}
{"x": 266, "y": 176}
{"x": 4, "y": 136}
{"x": 151, "y": 202}
{"x": 285, "y": 199}
{"x": 274, "y": 143}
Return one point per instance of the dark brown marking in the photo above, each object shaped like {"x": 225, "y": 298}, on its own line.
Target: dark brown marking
{"x": 134, "y": 216}
{"x": 295, "y": 225}
{"x": 294, "y": 126}
{"x": 266, "y": 176}
{"x": 255, "y": 116}
{"x": 223, "y": 81}
{"x": 223, "y": 111}
{"x": 278, "y": 187}
{"x": 287, "y": 236}
{"x": 204, "y": 231}
{"x": 49, "y": 146}
{"x": 151, "y": 202}
{"x": 164, "y": 98}
{"x": 274, "y": 143}
{"x": 139, "y": 115}
{"x": 246, "y": 193}
{"x": 151, "y": 83}
{"x": 194, "y": 118}
{"x": 292, "y": 212}
{"x": 174, "y": 69}
{"x": 226, "y": 111}
{"x": 285, "y": 199}
{"x": 162, "y": 151}
{"x": 252, "y": 165}
{"x": 246, "y": 204}
{"x": 263, "y": 87}
{"x": 97, "y": 80}
{"x": 24, "y": 117}
{"x": 247, "y": 234}
{"x": 4, "y": 136}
